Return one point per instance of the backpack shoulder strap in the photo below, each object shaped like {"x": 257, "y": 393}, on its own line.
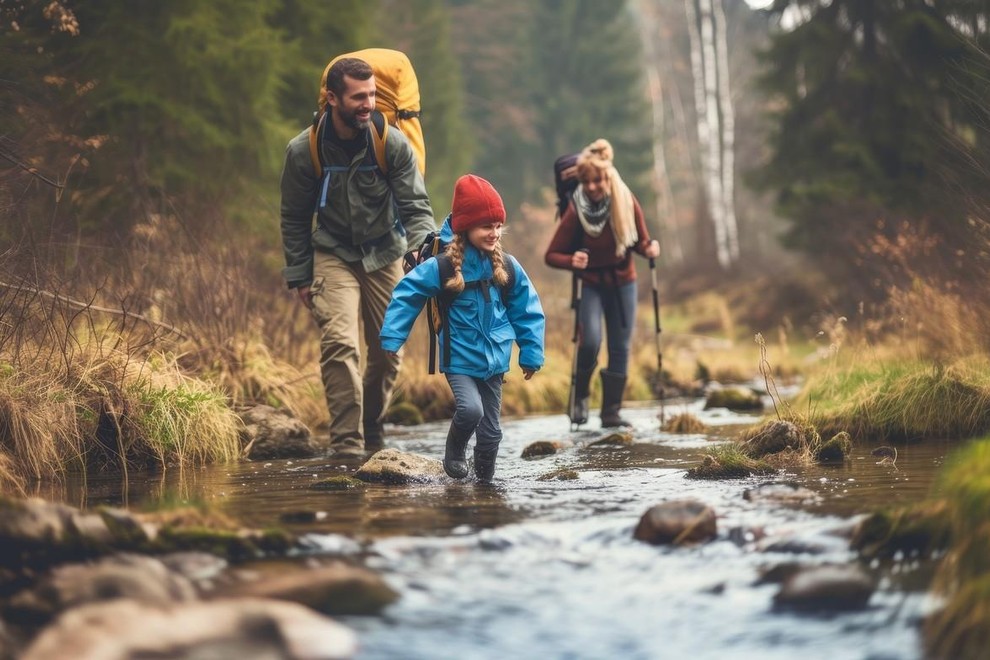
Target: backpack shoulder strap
{"x": 315, "y": 133}
{"x": 378, "y": 136}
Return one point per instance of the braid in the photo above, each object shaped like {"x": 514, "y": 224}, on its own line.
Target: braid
{"x": 499, "y": 273}
{"x": 455, "y": 252}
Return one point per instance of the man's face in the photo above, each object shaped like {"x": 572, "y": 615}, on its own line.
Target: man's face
{"x": 355, "y": 103}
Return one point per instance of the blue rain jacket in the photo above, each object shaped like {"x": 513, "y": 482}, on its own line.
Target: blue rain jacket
{"x": 481, "y": 331}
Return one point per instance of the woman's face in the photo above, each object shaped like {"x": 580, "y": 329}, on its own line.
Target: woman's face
{"x": 485, "y": 237}
{"x": 595, "y": 185}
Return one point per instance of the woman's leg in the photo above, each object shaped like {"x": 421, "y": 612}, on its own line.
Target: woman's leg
{"x": 589, "y": 341}
{"x": 620, "y": 317}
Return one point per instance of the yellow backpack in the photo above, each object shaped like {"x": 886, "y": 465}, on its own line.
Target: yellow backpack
{"x": 397, "y": 102}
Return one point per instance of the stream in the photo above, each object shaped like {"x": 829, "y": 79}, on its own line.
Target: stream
{"x": 526, "y": 568}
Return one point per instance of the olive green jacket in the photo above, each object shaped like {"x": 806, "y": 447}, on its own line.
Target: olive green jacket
{"x": 361, "y": 214}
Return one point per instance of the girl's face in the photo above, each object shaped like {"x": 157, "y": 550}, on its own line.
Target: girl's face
{"x": 485, "y": 237}
{"x": 595, "y": 185}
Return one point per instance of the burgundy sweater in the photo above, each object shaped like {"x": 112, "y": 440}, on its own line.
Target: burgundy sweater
{"x": 570, "y": 237}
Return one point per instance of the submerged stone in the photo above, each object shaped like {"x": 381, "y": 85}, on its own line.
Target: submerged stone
{"x": 613, "y": 440}
{"x": 677, "y": 522}
{"x": 544, "y": 448}
{"x": 826, "y": 588}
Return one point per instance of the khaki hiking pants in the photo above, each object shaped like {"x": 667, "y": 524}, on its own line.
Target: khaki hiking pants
{"x": 344, "y": 297}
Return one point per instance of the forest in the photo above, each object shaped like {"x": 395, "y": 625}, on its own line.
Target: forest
{"x": 815, "y": 172}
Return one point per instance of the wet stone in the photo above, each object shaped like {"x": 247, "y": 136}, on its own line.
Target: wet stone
{"x": 677, "y": 522}
{"x": 613, "y": 440}
{"x": 391, "y": 466}
{"x": 827, "y": 588}
{"x": 544, "y": 448}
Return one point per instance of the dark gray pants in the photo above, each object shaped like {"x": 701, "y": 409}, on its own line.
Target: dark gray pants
{"x": 478, "y": 407}
{"x": 605, "y": 300}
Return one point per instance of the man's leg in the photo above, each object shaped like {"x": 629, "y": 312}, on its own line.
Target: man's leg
{"x": 382, "y": 369}
{"x": 336, "y": 297}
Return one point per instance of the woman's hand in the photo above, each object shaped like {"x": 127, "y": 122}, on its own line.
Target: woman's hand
{"x": 579, "y": 260}
{"x": 653, "y": 250}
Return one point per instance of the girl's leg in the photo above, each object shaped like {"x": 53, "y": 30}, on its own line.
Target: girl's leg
{"x": 489, "y": 429}
{"x": 468, "y": 412}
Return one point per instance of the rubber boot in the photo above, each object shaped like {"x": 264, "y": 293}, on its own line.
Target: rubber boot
{"x": 484, "y": 462}
{"x": 374, "y": 436}
{"x": 454, "y": 460}
{"x": 613, "y": 386}
{"x": 582, "y": 389}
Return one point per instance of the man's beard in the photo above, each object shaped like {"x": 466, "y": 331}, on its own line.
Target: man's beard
{"x": 351, "y": 120}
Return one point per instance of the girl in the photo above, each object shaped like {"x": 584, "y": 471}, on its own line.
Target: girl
{"x": 597, "y": 234}
{"x": 482, "y": 321}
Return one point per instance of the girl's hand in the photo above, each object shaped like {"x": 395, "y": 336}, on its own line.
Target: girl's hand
{"x": 653, "y": 250}
{"x": 528, "y": 373}
{"x": 579, "y": 260}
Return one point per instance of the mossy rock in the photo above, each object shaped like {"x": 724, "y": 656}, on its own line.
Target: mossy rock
{"x": 337, "y": 483}
{"x": 919, "y": 531}
{"x": 773, "y": 437}
{"x": 404, "y": 413}
{"x": 564, "y": 474}
{"x": 729, "y": 466}
{"x": 734, "y": 398}
{"x": 836, "y": 450}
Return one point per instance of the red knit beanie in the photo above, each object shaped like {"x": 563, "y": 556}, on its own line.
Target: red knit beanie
{"x": 476, "y": 203}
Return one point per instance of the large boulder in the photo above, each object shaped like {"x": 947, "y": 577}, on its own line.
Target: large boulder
{"x": 391, "y": 466}
{"x": 336, "y": 589}
{"x": 271, "y": 433}
{"x": 245, "y": 629}
{"x": 134, "y": 577}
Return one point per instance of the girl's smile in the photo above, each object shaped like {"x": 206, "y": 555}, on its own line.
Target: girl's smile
{"x": 486, "y": 237}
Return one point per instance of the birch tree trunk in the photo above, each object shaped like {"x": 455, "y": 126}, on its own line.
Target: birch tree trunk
{"x": 716, "y": 121}
{"x": 713, "y": 162}
{"x": 728, "y": 122}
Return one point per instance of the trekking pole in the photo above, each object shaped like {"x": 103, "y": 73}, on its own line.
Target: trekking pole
{"x": 576, "y": 291}
{"x": 656, "y": 322}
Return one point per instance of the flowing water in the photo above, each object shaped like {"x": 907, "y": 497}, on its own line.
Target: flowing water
{"x": 526, "y": 568}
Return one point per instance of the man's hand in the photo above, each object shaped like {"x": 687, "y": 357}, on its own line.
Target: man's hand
{"x": 409, "y": 260}
{"x": 528, "y": 373}
{"x": 305, "y": 296}
{"x": 653, "y": 250}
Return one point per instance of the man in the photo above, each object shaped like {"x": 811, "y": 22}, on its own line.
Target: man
{"x": 345, "y": 271}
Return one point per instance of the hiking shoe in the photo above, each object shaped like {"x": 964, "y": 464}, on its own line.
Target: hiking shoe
{"x": 346, "y": 449}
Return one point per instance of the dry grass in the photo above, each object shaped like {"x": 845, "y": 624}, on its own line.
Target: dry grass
{"x": 40, "y": 429}
{"x": 182, "y": 419}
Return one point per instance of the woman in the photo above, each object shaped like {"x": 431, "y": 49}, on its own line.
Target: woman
{"x": 597, "y": 234}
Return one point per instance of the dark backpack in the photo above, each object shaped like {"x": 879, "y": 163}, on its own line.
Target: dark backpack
{"x": 565, "y": 180}
{"x": 433, "y": 247}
